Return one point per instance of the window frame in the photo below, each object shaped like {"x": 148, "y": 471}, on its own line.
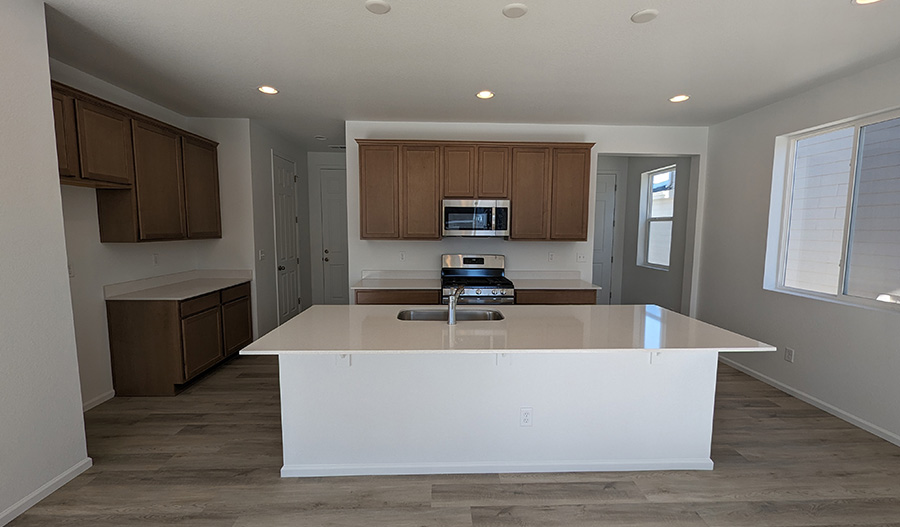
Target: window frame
{"x": 646, "y": 217}
{"x": 786, "y": 150}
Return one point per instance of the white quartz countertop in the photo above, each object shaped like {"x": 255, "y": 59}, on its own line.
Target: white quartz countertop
{"x": 333, "y": 329}
{"x": 181, "y": 290}
{"x": 435, "y": 283}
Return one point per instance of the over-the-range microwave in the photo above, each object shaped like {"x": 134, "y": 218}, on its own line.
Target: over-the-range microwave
{"x": 475, "y": 217}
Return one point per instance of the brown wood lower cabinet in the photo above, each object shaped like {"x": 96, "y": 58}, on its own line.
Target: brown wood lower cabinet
{"x": 158, "y": 345}
{"x": 398, "y": 296}
{"x": 556, "y": 296}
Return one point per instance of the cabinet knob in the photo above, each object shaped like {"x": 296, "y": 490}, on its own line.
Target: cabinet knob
{"x": 326, "y": 251}
{"x": 281, "y": 268}
{"x": 325, "y": 259}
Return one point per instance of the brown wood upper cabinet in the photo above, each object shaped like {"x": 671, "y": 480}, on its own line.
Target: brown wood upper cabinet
{"x": 201, "y": 188}
{"x": 476, "y": 171}
{"x": 571, "y": 178}
{"x": 530, "y": 200}
{"x": 402, "y": 184}
{"x": 420, "y": 186}
{"x": 153, "y": 181}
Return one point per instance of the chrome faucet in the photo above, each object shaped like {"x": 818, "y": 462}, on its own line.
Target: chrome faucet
{"x": 452, "y": 301}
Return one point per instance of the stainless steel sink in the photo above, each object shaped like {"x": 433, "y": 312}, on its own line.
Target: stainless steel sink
{"x": 441, "y": 314}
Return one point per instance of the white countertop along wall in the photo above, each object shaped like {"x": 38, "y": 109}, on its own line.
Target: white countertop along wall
{"x": 432, "y": 280}
{"x": 177, "y": 286}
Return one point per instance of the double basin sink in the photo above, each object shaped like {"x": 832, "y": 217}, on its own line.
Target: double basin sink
{"x": 442, "y": 314}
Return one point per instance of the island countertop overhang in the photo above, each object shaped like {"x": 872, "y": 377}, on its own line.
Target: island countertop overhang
{"x": 354, "y": 329}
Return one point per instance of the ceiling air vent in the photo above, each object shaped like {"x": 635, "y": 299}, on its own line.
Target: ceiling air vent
{"x": 337, "y": 147}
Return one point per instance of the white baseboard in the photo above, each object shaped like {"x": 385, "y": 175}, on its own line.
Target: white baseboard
{"x": 45, "y": 490}
{"x": 887, "y": 435}
{"x": 97, "y": 401}
{"x": 385, "y": 469}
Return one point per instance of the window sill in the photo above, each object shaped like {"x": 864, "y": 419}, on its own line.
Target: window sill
{"x": 654, "y": 267}
{"x": 863, "y": 303}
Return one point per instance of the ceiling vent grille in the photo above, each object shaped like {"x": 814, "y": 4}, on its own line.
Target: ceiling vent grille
{"x": 337, "y": 147}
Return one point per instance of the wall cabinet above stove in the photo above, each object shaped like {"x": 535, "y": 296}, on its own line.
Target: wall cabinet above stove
{"x": 402, "y": 183}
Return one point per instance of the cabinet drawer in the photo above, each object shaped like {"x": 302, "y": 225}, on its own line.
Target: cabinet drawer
{"x": 233, "y": 293}
{"x": 201, "y": 303}
{"x": 398, "y": 296}
{"x": 556, "y": 296}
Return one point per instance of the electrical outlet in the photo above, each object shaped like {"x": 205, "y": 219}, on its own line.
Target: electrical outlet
{"x": 402, "y": 256}
{"x": 155, "y": 259}
{"x": 71, "y": 272}
{"x": 526, "y": 416}
{"x": 261, "y": 256}
{"x": 550, "y": 257}
{"x": 580, "y": 257}
{"x": 789, "y": 354}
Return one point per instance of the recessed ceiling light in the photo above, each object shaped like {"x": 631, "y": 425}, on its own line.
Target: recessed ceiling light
{"x": 864, "y": 2}
{"x": 484, "y": 94}
{"x": 268, "y": 90}
{"x": 680, "y": 98}
{"x": 378, "y": 7}
{"x": 645, "y": 15}
{"x": 515, "y": 10}
{"x": 320, "y": 137}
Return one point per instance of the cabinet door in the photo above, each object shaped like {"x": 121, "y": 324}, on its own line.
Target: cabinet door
{"x": 529, "y": 200}
{"x": 459, "y": 171}
{"x": 420, "y": 184}
{"x": 104, "y": 143}
{"x": 569, "y": 197}
{"x": 66, "y": 135}
{"x": 159, "y": 182}
{"x": 201, "y": 188}
{"x": 493, "y": 172}
{"x": 237, "y": 325}
{"x": 379, "y": 175}
{"x": 201, "y": 337}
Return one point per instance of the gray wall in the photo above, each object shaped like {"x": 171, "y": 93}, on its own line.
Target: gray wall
{"x": 643, "y": 285}
{"x": 42, "y": 442}
{"x": 847, "y": 357}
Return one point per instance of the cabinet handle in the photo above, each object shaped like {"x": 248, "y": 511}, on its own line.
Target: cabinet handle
{"x": 281, "y": 268}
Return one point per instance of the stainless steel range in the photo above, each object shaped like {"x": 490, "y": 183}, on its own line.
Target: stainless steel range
{"x": 481, "y": 276}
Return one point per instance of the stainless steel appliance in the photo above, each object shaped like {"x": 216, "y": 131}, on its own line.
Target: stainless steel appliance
{"x": 481, "y": 276}
{"x": 475, "y": 217}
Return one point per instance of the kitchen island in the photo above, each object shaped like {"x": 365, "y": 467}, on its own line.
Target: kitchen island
{"x": 546, "y": 389}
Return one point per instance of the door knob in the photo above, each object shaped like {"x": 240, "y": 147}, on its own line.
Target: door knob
{"x": 326, "y": 258}
{"x": 281, "y": 268}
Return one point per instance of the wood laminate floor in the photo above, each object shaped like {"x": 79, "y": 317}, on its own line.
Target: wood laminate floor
{"x": 211, "y": 457}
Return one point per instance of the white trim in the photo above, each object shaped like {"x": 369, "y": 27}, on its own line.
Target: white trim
{"x": 43, "y": 491}
{"x": 98, "y": 400}
{"x": 384, "y": 469}
{"x": 887, "y": 435}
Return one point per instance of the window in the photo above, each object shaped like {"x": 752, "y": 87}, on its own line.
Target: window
{"x": 840, "y": 229}
{"x": 655, "y": 232}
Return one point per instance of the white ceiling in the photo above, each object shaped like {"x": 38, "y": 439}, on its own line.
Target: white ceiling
{"x": 565, "y": 61}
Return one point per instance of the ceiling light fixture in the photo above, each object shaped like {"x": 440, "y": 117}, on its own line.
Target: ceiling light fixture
{"x": 484, "y": 94}
{"x": 268, "y": 90}
{"x": 515, "y": 10}
{"x": 378, "y": 7}
{"x": 863, "y": 2}
{"x": 680, "y": 98}
{"x": 644, "y": 16}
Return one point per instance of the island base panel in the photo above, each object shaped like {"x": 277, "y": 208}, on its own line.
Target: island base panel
{"x": 373, "y": 414}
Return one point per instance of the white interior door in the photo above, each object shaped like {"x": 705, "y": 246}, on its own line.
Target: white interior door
{"x": 287, "y": 242}
{"x": 335, "y": 271}
{"x": 604, "y": 212}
